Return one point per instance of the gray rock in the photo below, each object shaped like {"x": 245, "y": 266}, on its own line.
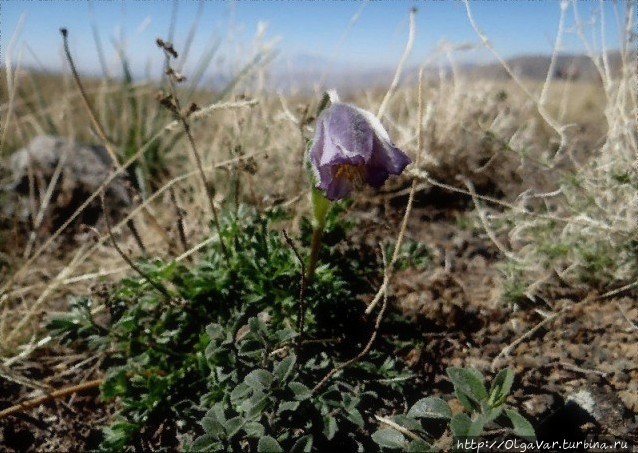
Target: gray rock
{"x": 83, "y": 169}
{"x": 601, "y": 403}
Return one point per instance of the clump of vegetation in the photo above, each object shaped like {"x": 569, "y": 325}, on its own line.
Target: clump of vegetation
{"x": 216, "y": 350}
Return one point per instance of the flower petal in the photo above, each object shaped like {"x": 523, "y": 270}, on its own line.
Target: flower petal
{"x": 350, "y": 134}
{"x": 338, "y": 188}
{"x": 386, "y": 160}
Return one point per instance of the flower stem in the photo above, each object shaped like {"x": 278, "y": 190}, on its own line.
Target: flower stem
{"x": 320, "y": 205}
{"x": 315, "y": 245}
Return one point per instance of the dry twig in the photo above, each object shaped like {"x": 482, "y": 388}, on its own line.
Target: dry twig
{"x": 26, "y": 405}
{"x": 401, "y": 429}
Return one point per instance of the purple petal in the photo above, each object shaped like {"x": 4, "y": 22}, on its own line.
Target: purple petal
{"x": 347, "y": 135}
{"x": 350, "y": 134}
{"x": 316, "y": 151}
{"x": 386, "y": 160}
{"x": 337, "y": 189}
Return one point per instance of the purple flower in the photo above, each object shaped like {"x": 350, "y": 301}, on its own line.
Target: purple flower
{"x": 351, "y": 148}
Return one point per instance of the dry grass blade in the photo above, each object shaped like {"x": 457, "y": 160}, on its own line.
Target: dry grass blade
{"x": 45, "y": 203}
{"x": 11, "y": 88}
{"x": 402, "y": 61}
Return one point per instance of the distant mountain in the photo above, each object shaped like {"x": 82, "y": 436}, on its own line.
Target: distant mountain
{"x": 535, "y": 67}
{"x": 307, "y": 72}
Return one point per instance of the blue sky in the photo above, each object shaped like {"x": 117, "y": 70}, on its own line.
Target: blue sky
{"x": 353, "y": 33}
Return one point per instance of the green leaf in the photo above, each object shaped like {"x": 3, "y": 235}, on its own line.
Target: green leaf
{"x": 520, "y": 426}
{"x": 476, "y": 428}
{"x": 389, "y": 438}
{"x": 355, "y": 417}
{"x": 304, "y": 444}
{"x": 460, "y": 425}
{"x": 329, "y": 426}
{"x": 255, "y": 405}
{"x": 233, "y": 425}
{"x": 430, "y": 407}
{"x": 239, "y": 393}
{"x": 407, "y": 422}
{"x": 300, "y": 390}
{"x": 254, "y": 429}
{"x": 285, "y": 335}
{"x": 283, "y": 369}
{"x": 205, "y": 443}
{"x": 212, "y": 427}
{"x": 287, "y": 406}
{"x": 492, "y": 414}
{"x": 115, "y": 384}
{"x": 469, "y": 382}
{"x": 217, "y": 412}
{"x": 258, "y": 327}
{"x": 116, "y": 435}
{"x": 418, "y": 446}
{"x": 215, "y": 331}
{"x": 463, "y": 426}
{"x": 259, "y": 379}
{"x": 268, "y": 444}
{"x": 467, "y": 403}
{"x": 501, "y": 386}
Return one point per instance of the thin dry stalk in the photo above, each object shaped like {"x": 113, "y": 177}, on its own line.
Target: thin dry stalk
{"x": 28, "y": 263}
{"x": 486, "y": 226}
{"x": 584, "y": 221}
{"x": 542, "y": 100}
{"x": 207, "y": 111}
{"x": 509, "y": 348}
{"x": 31, "y": 312}
{"x": 182, "y": 118}
{"x": 10, "y": 375}
{"x": 632, "y": 323}
{"x": 11, "y": 75}
{"x": 87, "y": 103}
{"x": 81, "y": 255}
{"x": 106, "y": 142}
{"x": 399, "y": 70}
{"x": 401, "y": 429}
{"x": 26, "y": 351}
{"x": 179, "y": 212}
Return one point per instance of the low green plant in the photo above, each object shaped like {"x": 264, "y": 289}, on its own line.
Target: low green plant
{"x": 482, "y": 409}
{"x": 212, "y": 350}
{"x": 261, "y": 395}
